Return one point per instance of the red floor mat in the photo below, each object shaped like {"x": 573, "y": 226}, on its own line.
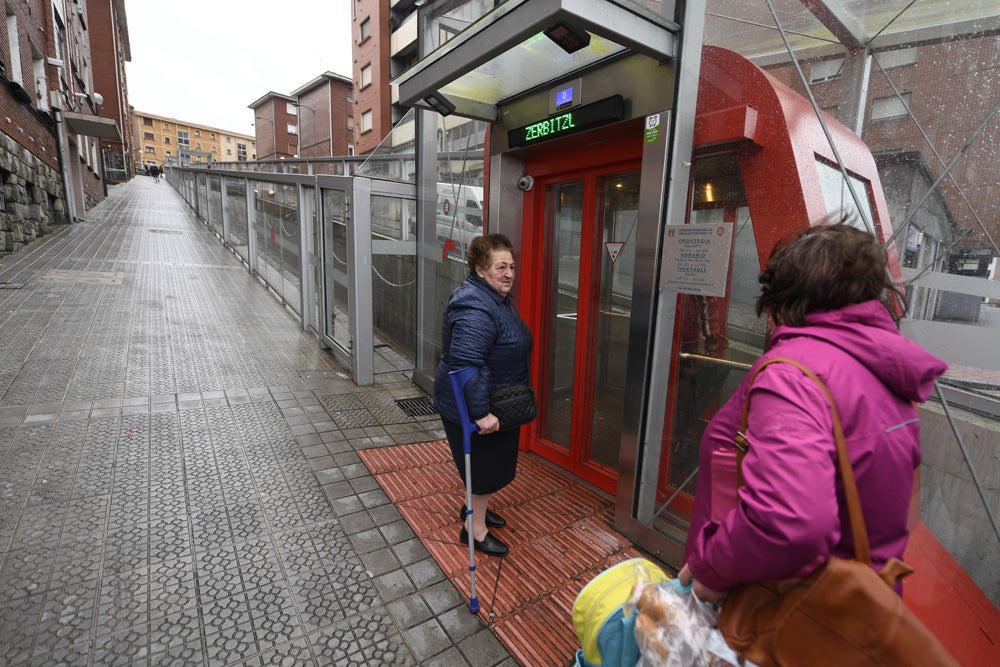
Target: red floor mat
{"x": 560, "y": 536}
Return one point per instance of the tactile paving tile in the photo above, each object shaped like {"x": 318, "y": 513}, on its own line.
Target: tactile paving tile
{"x": 561, "y": 535}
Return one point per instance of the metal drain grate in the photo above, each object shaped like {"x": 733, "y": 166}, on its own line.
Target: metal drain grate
{"x": 416, "y": 407}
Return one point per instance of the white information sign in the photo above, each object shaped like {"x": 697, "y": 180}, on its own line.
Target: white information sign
{"x": 696, "y": 258}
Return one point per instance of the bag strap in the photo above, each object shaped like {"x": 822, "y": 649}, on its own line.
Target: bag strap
{"x": 862, "y": 550}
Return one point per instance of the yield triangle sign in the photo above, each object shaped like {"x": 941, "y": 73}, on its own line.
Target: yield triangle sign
{"x": 614, "y": 249}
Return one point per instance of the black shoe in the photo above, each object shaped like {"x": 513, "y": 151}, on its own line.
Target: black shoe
{"x": 492, "y": 520}
{"x": 489, "y": 545}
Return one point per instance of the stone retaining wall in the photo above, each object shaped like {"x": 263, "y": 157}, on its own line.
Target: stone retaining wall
{"x": 33, "y": 196}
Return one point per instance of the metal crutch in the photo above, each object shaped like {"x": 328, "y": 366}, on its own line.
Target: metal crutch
{"x": 459, "y": 379}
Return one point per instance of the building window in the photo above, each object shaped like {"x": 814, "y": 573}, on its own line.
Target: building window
{"x": 366, "y": 30}
{"x": 183, "y": 138}
{"x": 229, "y": 140}
{"x": 350, "y": 95}
{"x": 166, "y": 126}
{"x": 891, "y": 108}
{"x": 151, "y": 149}
{"x": 899, "y": 58}
{"x": 241, "y": 151}
{"x": 350, "y": 149}
{"x": 167, "y": 153}
{"x": 197, "y": 144}
{"x": 826, "y": 70}
{"x": 366, "y": 121}
{"x": 291, "y": 109}
{"x": 15, "y": 49}
{"x": 148, "y": 122}
{"x": 211, "y": 135}
{"x": 166, "y": 140}
{"x": 350, "y": 123}
{"x": 293, "y": 129}
{"x": 366, "y": 77}
{"x": 229, "y": 151}
{"x": 215, "y": 149}
{"x": 148, "y": 136}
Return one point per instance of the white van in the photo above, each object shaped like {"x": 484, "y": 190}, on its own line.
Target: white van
{"x": 459, "y": 212}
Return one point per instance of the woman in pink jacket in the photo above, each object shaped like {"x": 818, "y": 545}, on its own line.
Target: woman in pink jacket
{"x": 824, "y": 291}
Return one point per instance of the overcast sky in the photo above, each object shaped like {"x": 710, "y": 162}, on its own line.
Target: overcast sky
{"x": 205, "y": 61}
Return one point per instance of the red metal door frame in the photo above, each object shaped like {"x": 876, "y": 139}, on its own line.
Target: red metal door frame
{"x": 586, "y": 158}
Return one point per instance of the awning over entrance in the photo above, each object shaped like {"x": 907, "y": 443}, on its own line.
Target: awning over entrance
{"x": 515, "y": 48}
{"x": 91, "y": 126}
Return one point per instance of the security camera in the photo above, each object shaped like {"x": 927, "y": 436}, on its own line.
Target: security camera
{"x": 526, "y": 183}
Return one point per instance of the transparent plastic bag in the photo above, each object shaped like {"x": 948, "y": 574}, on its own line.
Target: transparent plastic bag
{"x": 673, "y": 628}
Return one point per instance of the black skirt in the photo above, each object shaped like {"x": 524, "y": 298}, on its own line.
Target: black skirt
{"x": 493, "y": 457}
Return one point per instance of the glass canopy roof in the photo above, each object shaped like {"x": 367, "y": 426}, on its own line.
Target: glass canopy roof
{"x": 506, "y": 53}
{"x": 749, "y": 27}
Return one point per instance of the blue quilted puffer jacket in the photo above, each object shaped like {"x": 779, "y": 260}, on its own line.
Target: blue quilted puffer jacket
{"x": 480, "y": 328}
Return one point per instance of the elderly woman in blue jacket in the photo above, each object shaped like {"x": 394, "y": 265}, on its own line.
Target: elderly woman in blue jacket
{"x": 480, "y": 328}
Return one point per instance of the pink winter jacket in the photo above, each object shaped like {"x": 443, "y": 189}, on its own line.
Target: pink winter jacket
{"x": 790, "y": 515}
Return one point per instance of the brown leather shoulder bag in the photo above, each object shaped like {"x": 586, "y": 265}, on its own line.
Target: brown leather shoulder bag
{"x": 844, "y": 613}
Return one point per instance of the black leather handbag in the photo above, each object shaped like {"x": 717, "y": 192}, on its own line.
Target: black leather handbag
{"x": 513, "y": 405}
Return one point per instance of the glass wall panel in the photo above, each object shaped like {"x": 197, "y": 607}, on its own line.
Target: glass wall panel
{"x": 458, "y": 216}
{"x": 336, "y": 267}
{"x": 394, "y": 281}
{"x": 717, "y": 340}
{"x": 215, "y": 203}
{"x": 289, "y": 245}
{"x": 201, "y": 184}
{"x": 267, "y": 230}
{"x": 393, "y": 159}
{"x": 236, "y": 207}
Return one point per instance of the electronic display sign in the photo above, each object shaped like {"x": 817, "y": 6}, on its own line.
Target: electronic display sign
{"x": 564, "y": 97}
{"x": 568, "y": 122}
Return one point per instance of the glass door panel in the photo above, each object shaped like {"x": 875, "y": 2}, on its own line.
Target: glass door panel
{"x": 616, "y": 258}
{"x": 589, "y": 249}
{"x": 716, "y": 340}
{"x": 564, "y": 220}
{"x": 337, "y": 270}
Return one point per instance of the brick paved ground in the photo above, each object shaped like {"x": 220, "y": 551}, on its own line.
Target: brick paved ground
{"x": 179, "y": 479}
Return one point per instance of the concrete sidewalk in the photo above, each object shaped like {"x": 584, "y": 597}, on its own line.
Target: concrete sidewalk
{"x": 179, "y": 478}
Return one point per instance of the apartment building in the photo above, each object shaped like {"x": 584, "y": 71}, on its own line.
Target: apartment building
{"x": 385, "y": 44}
{"x": 161, "y": 139}
{"x": 276, "y": 126}
{"x": 50, "y": 134}
{"x": 110, "y": 50}
{"x": 325, "y": 108}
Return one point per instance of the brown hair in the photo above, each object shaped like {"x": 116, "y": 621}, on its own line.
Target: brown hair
{"x": 481, "y": 250}
{"x": 825, "y": 267}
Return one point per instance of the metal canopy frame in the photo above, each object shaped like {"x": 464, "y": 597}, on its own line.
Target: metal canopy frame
{"x": 510, "y": 25}
{"x": 836, "y": 25}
